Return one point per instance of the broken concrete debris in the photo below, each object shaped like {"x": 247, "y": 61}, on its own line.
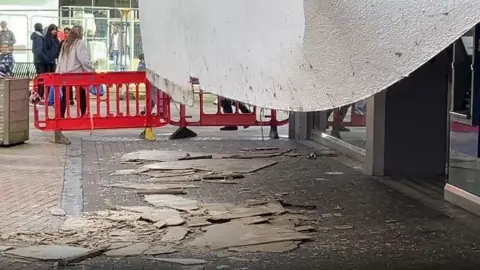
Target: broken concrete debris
{"x": 172, "y": 222}
{"x": 59, "y": 212}
{"x": 212, "y": 165}
{"x": 160, "y": 250}
{"x": 131, "y": 250}
{"x": 174, "y": 234}
{"x": 277, "y": 247}
{"x": 255, "y": 226}
{"x": 172, "y": 201}
{"x": 182, "y": 261}
{"x": 236, "y": 234}
{"x": 47, "y": 252}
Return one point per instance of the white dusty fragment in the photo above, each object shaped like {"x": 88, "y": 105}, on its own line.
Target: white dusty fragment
{"x": 215, "y": 165}
{"x": 277, "y": 247}
{"x": 343, "y": 227}
{"x": 158, "y": 250}
{"x": 59, "y": 212}
{"x": 334, "y": 173}
{"x": 219, "y": 212}
{"x": 181, "y": 261}
{"x": 162, "y": 156}
{"x": 253, "y": 220}
{"x": 174, "y": 234}
{"x": 6, "y": 248}
{"x": 47, "y": 252}
{"x": 160, "y": 224}
{"x": 170, "y": 216}
{"x": 236, "y": 234}
{"x": 194, "y": 222}
{"x": 169, "y": 174}
{"x": 124, "y": 172}
{"x": 150, "y": 186}
{"x": 306, "y": 228}
{"x": 131, "y": 250}
{"x": 117, "y": 245}
{"x": 172, "y": 201}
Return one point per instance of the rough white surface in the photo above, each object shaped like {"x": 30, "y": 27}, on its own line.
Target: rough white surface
{"x": 299, "y": 55}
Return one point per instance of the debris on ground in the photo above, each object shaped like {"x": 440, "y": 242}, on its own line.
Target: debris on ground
{"x": 131, "y": 250}
{"x": 160, "y": 250}
{"x": 148, "y": 186}
{"x": 134, "y": 230}
{"x": 174, "y": 234}
{"x": 6, "y": 248}
{"x": 58, "y": 212}
{"x": 209, "y": 165}
{"x": 172, "y": 222}
{"x": 47, "y": 252}
{"x": 334, "y": 173}
{"x": 296, "y": 205}
{"x": 172, "y": 201}
{"x": 181, "y": 261}
{"x": 164, "y": 156}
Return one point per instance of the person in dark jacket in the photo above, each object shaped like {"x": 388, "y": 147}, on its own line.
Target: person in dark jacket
{"x": 52, "y": 47}
{"x": 40, "y": 59}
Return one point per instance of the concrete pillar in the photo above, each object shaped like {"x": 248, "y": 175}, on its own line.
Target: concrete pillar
{"x": 407, "y": 124}
{"x": 300, "y": 125}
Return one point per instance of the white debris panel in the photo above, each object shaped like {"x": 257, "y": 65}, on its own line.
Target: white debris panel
{"x": 297, "y": 55}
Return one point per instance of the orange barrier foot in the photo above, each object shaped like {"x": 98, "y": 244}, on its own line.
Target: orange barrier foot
{"x": 182, "y": 133}
{"x": 274, "y": 133}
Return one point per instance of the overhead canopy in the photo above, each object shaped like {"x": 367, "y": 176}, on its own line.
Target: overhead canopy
{"x": 298, "y": 55}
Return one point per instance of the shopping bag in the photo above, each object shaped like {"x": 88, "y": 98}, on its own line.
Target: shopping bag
{"x": 51, "y": 95}
{"x": 99, "y": 88}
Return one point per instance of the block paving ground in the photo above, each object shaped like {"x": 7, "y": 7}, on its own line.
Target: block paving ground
{"x": 363, "y": 223}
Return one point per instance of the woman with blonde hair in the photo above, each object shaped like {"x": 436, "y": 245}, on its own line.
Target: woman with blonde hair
{"x": 73, "y": 58}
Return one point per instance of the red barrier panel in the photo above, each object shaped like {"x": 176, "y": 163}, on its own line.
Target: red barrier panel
{"x": 219, "y": 118}
{"x": 98, "y": 105}
{"x": 97, "y": 102}
{"x": 356, "y": 119}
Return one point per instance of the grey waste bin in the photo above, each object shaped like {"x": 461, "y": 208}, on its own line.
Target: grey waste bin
{"x": 14, "y": 111}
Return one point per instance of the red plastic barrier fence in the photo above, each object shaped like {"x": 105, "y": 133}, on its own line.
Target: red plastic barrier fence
{"x": 356, "y": 119}
{"x": 98, "y": 105}
{"x": 97, "y": 102}
{"x": 237, "y": 118}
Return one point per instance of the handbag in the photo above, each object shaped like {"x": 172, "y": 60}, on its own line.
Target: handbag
{"x": 99, "y": 89}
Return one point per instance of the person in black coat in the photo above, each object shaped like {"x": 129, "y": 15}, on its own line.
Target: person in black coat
{"x": 40, "y": 59}
{"x": 52, "y": 47}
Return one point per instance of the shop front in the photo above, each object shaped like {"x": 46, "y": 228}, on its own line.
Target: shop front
{"x": 425, "y": 127}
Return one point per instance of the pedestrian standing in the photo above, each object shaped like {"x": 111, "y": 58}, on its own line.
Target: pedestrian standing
{"x": 7, "y": 36}
{"x": 117, "y": 48}
{"x": 40, "y": 60}
{"x": 52, "y": 48}
{"x": 74, "y": 58}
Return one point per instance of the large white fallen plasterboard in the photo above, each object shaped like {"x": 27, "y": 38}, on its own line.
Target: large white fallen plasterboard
{"x": 299, "y": 55}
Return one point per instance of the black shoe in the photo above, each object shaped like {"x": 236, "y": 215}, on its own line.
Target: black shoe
{"x": 343, "y": 129}
{"x": 229, "y": 128}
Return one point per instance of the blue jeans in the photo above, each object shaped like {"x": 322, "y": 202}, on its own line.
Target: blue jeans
{"x": 117, "y": 60}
